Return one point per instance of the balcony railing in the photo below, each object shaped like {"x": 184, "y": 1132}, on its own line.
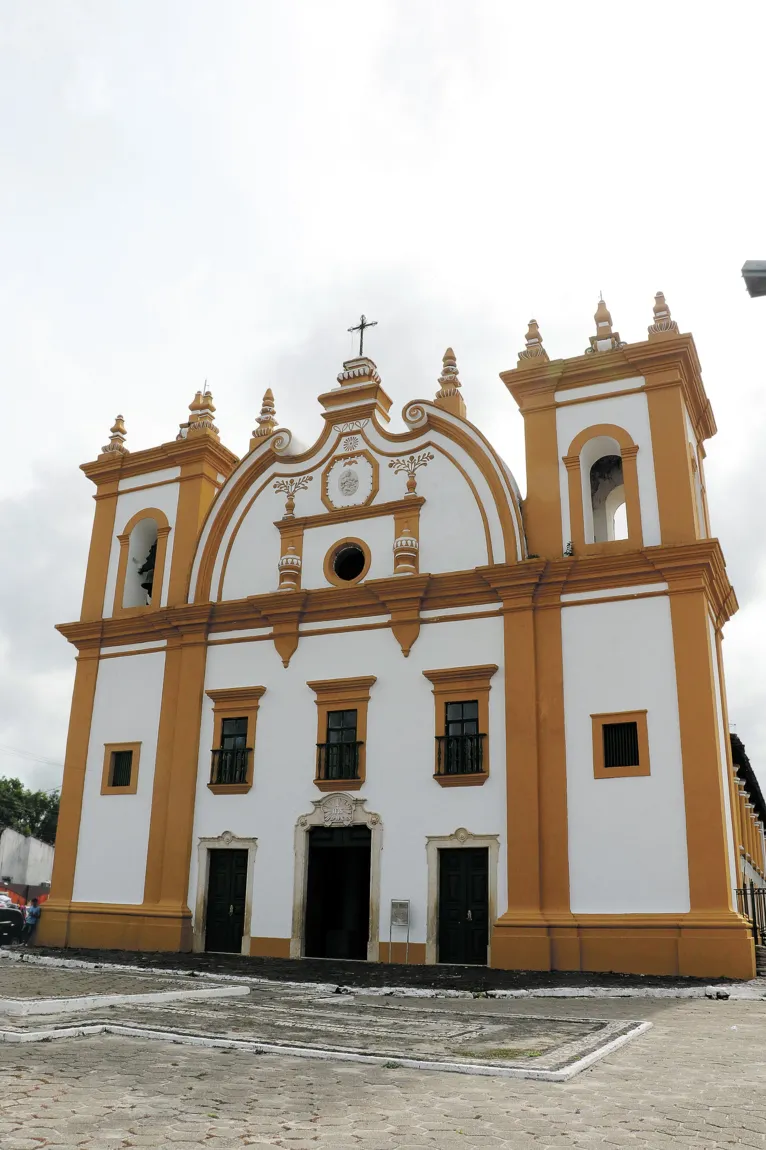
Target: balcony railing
{"x": 229, "y": 766}
{"x": 338, "y": 761}
{"x": 460, "y": 754}
{"x": 751, "y": 902}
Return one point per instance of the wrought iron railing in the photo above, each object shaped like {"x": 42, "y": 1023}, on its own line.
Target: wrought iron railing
{"x": 229, "y": 766}
{"x": 751, "y": 902}
{"x": 460, "y": 754}
{"x": 338, "y": 761}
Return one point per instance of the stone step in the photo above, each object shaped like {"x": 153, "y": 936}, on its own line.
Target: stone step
{"x": 760, "y": 960}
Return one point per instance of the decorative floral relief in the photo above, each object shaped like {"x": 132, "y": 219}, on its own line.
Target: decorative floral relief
{"x": 351, "y": 443}
{"x": 289, "y": 487}
{"x": 410, "y": 464}
{"x": 351, "y": 425}
{"x": 349, "y": 481}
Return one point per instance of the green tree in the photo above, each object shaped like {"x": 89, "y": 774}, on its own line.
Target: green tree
{"x": 28, "y": 812}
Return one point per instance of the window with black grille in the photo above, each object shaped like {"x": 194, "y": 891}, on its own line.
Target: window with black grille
{"x": 620, "y": 744}
{"x": 122, "y": 768}
{"x": 341, "y": 726}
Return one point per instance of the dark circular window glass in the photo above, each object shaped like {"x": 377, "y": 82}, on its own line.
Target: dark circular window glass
{"x": 349, "y": 562}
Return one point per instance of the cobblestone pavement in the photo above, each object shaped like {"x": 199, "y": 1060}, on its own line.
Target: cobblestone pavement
{"x": 694, "y": 1080}
{"x": 19, "y": 980}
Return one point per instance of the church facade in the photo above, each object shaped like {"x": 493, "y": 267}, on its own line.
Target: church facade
{"x": 363, "y": 701}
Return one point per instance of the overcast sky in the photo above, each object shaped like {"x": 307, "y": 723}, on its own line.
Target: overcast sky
{"x": 215, "y": 189}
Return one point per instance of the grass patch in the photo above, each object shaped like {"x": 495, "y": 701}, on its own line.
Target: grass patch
{"x": 504, "y": 1052}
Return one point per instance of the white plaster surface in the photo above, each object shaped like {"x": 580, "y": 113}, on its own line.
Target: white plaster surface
{"x": 129, "y": 503}
{"x": 627, "y": 836}
{"x": 114, "y": 829}
{"x": 596, "y": 389}
{"x": 400, "y": 760}
{"x": 25, "y": 860}
{"x": 630, "y": 412}
{"x": 608, "y": 592}
{"x": 163, "y": 476}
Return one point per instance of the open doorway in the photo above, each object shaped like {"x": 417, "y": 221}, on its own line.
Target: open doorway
{"x": 338, "y": 892}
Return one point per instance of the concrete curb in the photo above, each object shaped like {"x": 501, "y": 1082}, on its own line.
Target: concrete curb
{"x": 254, "y": 1047}
{"x": 30, "y": 1006}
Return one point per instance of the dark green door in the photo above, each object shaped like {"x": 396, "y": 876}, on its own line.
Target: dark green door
{"x": 463, "y": 906}
{"x": 226, "y": 888}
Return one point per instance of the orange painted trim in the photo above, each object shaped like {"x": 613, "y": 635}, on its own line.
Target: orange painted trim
{"x": 99, "y": 554}
{"x": 460, "y": 685}
{"x": 75, "y": 760}
{"x": 676, "y": 496}
{"x": 240, "y": 703}
{"x": 343, "y": 695}
{"x": 107, "y": 786}
{"x": 642, "y": 767}
{"x": 270, "y": 947}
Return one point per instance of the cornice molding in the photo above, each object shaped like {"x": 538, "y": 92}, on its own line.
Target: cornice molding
{"x": 202, "y": 447}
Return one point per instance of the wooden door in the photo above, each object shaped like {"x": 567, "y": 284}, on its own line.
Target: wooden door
{"x": 464, "y": 906}
{"x": 227, "y": 884}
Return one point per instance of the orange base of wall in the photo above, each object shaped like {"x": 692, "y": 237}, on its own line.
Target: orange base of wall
{"x": 714, "y": 946}
{"x": 270, "y": 947}
{"x": 111, "y": 926}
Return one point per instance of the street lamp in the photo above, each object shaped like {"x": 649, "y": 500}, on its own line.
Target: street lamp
{"x": 754, "y": 274}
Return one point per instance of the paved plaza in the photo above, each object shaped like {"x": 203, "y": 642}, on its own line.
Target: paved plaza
{"x": 695, "y": 1078}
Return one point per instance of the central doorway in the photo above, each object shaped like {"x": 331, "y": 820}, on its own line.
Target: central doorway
{"x": 226, "y": 890}
{"x": 338, "y": 892}
{"x": 464, "y": 905}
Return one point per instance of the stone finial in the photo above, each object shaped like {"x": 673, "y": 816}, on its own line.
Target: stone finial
{"x": 448, "y": 396}
{"x": 267, "y": 420}
{"x": 533, "y": 346}
{"x": 117, "y": 435}
{"x": 202, "y": 411}
{"x": 605, "y": 339}
{"x": 663, "y": 325}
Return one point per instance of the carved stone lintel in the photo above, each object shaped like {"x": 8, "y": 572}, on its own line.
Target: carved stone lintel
{"x": 338, "y": 810}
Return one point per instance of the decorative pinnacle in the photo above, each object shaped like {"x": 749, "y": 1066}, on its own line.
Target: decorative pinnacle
{"x": 116, "y": 438}
{"x": 448, "y": 380}
{"x": 267, "y": 420}
{"x": 663, "y": 324}
{"x": 605, "y": 339}
{"x": 533, "y": 344}
{"x": 202, "y": 411}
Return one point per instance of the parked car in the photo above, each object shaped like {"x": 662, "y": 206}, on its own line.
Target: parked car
{"x": 11, "y": 922}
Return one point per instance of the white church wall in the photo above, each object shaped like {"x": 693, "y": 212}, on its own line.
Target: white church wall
{"x": 697, "y": 475}
{"x": 722, "y": 760}
{"x": 627, "y": 836}
{"x": 399, "y": 782}
{"x": 114, "y": 829}
{"x": 164, "y": 498}
{"x": 630, "y": 412}
{"x": 377, "y": 534}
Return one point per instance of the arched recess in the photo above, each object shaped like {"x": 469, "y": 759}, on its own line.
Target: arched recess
{"x": 595, "y": 495}
{"x": 147, "y": 528}
{"x": 481, "y": 453}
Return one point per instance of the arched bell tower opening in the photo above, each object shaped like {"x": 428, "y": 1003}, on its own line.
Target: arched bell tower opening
{"x": 141, "y": 564}
{"x": 607, "y": 495}
{"x": 604, "y": 500}
{"x": 142, "y": 561}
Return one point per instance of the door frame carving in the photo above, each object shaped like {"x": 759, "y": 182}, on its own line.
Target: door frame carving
{"x": 228, "y": 842}
{"x": 459, "y": 838}
{"x": 336, "y": 810}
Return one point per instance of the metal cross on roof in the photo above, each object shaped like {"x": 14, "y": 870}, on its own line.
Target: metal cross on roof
{"x": 361, "y": 327}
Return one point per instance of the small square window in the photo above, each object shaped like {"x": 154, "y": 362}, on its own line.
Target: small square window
{"x": 233, "y": 734}
{"x": 120, "y": 771}
{"x": 620, "y": 745}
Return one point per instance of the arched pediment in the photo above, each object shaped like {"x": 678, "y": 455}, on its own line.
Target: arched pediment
{"x": 438, "y": 483}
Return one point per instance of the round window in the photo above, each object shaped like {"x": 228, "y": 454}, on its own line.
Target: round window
{"x": 349, "y": 562}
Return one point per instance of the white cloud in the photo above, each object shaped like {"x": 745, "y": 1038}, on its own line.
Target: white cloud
{"x": 193, "y": 190}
